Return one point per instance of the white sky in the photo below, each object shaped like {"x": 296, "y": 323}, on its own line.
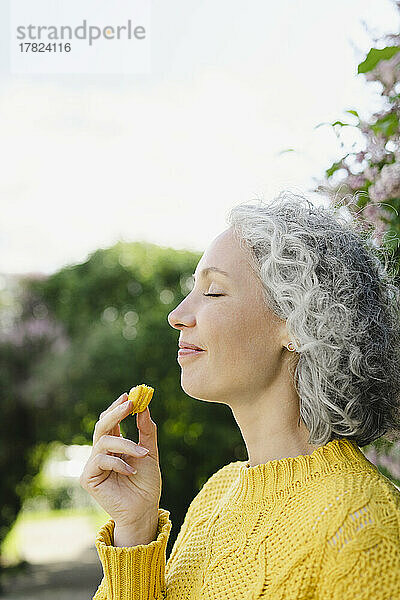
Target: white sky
{"x": 88, "y": 160}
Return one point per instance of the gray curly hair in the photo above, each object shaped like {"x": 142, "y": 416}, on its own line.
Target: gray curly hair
{"x": 322, "y": 274}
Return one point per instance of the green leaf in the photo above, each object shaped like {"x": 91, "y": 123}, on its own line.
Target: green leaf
{"x": 333, "y": 124}
{"x": 287, "y": 150}
{"x": 387, "y": 126}
{"x": 353, "y": 112}
{"x": 374, "y": 56}
{"x": 340, "y": 123}
{"x": 335, "y": 167}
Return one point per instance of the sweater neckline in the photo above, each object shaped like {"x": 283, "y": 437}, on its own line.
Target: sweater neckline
{"x": 256, "y": 483}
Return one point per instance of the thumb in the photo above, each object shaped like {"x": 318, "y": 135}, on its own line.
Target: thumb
{"x": 147, "y": 432}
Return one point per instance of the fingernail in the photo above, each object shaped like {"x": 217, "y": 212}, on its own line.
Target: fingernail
{"x": 141, "y": 450}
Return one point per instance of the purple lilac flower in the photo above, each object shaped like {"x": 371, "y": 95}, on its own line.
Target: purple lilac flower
{"x": 387, "y": 185}
{"x": 356, "y": 181}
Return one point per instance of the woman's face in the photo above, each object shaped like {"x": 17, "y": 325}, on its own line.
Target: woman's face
{"x": 240, "y": 335}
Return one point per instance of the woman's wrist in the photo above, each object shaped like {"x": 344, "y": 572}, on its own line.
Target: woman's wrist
{"x": 144, "y": 532}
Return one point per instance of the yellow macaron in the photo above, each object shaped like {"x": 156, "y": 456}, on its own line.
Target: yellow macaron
{"x": 140, "y": 396}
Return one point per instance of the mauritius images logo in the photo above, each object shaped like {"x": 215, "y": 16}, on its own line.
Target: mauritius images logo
{"x": 90, "y": 33}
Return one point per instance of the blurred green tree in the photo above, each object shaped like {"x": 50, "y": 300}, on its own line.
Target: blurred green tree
{"x": 85, "y": 335}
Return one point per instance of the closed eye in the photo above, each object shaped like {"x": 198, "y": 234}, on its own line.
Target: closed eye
{"x": 213, "y": 295}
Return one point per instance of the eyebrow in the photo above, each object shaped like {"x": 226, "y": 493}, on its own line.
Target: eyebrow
{"x": 206, "y": 271}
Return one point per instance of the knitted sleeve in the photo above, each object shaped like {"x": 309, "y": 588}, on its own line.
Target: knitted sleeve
{"x": 362, "y": 559}
{"x": 133, "y": 573}
{"x": 141, "y": 572}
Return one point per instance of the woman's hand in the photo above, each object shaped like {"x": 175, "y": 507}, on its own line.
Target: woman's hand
{"x": 131, "y": 500}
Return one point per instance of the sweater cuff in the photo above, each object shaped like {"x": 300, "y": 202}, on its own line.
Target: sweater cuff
{"x": 136, "y": 572}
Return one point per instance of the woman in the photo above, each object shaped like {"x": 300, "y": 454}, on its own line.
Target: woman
{"x": 297, "y": 326}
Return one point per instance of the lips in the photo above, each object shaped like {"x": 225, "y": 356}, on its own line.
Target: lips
{"x": 184, "y": 345}
{"x": 186, "y": 349}
{"x": 189, "y": 352}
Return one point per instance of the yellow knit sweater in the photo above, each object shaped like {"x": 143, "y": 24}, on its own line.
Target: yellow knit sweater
{"x": 324, "y": 526}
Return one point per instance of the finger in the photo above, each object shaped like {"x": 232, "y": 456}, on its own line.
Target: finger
{"x": 122, "y": 398}
{"x": 116, "y": 431}
{"x": 147, "y": 432}
{"x": 101, "y": 463}
{"x": 110, "y": 443}
{"x": 108, "y": 422}
{"x": 105, "y": 462}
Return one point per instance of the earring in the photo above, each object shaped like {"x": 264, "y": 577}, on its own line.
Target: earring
{"x": 291, "y": 347}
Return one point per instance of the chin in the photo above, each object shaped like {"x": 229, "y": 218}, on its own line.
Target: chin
{"x": 200, "y": 390}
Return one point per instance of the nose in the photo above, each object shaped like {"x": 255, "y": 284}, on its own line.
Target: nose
{"x": 171, "y": 319}
{"x": 177, "y": 319}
